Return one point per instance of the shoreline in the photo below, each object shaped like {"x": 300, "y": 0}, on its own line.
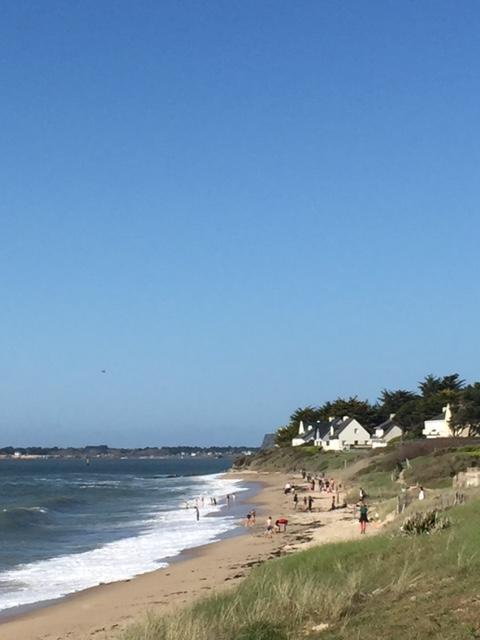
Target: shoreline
{"x": 245, "y": 496}
{"x": 24, "y": 621}
{"x": 101, "y": 612}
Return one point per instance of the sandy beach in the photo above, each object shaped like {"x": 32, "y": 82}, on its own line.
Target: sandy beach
{"x": 103, "y": 611}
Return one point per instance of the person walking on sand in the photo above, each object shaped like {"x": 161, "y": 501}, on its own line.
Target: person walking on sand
{"x": 197, "y": 513}
{"x": 254, "y": 516}
{"x": 310, "y": 503}
{"x": 269, "y": 528}
{"x": 363, "y": 519}
{"x": 295, "y": 500}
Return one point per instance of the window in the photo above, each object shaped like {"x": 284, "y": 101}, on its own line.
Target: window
{"x": 355, "y": 430}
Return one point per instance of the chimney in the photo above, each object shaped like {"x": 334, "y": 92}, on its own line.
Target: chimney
{"x": 392, "y": 415}
{"x": 345, "y": 417}
{"x": 301, "y": 429}
{"x": 448, "y": 414}
{"x": 331, "y": 418}
{"x": 331, "y": 431}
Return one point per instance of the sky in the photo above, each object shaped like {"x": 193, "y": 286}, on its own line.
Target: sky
{"x": 234, "y": 208}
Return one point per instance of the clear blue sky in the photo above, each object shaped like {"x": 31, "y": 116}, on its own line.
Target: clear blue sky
{"x": 235, "y": 208}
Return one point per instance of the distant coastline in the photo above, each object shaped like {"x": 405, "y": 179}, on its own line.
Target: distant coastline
{"x": 104, "y": 451}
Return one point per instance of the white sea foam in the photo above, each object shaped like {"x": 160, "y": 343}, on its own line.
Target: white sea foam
{"x": 165, "y": 535}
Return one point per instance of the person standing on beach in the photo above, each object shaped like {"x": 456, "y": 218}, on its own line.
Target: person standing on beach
{"x": 310, "y": 503}
{"x": 363, "y": 519}
{"x": 269, "y": 528}
{"x": 421, "y": 494}
{"x": 295, "y": 500}
{"x": 197, "y": 513}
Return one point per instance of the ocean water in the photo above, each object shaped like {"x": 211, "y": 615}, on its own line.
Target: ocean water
{"x": 66, "y": 526}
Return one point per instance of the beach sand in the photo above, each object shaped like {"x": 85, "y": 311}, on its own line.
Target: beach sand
{"x": 101, "y": 612}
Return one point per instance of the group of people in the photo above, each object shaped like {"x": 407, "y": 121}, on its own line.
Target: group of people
{"x": 271, "y": 528}
{"x": 325, "y": 485}
{"x": 328, "y": 485}
{"x": 201, "y": 501}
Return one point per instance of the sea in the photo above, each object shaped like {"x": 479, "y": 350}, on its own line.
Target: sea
{"x": 66, "y": 525}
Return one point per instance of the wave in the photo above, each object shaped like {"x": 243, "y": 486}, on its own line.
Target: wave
{"x": 63, "y": 502}
{"x": 168, "y": 533}
{"x": 23, "y": 517}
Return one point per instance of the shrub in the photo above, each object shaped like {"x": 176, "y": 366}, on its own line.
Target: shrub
{"x": 424, "y": 522}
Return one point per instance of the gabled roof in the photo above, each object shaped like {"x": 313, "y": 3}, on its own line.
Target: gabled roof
{"x": 339, "y": 425}
{"x": 307, "y": 436}
{"x": 388, "y": 425}
{"x": 441, "y": 416}
{"x": 321, "y": 429}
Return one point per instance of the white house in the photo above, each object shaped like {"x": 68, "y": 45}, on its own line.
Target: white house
{"x": 439, "y": 426}
{"x": 386, "y": 432}
{"x": 335, "y": 435}
{"x": 344, "y": 433}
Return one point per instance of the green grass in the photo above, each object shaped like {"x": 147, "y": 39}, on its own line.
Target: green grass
{"x": 438, "y": 469}
{"x": 378, "y": 485}
{"x": 379, "y": 587}
{"x": 310, "y": 458}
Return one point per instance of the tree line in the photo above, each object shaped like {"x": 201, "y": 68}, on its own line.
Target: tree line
{"x": 411, "y": 408}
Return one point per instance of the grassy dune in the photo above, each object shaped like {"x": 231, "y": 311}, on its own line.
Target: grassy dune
{"x": 385, "y": 586}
